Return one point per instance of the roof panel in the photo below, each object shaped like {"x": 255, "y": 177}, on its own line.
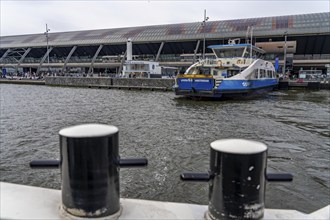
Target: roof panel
{"x": 293, "y": 24}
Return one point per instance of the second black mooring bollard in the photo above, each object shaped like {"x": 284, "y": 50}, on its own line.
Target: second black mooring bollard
{"x": 237, "y": 189}
{"x": 236, "y": 178}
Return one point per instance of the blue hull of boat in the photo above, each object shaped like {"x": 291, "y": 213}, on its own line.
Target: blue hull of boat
{"x": 227, "y": 88}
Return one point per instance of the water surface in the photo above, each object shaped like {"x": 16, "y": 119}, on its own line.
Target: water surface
{"x": 174, "y": 134}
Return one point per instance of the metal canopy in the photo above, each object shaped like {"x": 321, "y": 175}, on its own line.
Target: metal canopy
{"x": 317, "y": 23}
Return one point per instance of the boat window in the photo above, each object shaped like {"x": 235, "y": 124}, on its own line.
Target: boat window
{"x": 262, "y": 73}
{"x": 199, "y": 70}
{"x": 269, "y": 73}
{"x": 222, "y": 53}
{"x": 231, "y": 73}
{"x": 255, "y": 74}
{"x": 204, "y": 70}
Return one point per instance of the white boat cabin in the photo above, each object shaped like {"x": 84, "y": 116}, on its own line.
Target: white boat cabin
{"x": 232, "y": 59}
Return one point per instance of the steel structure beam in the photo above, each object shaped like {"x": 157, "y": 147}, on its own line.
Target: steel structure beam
{"x": 90, "y": 70}
{"x": 5, "y": 54}
{"x": 43, "y": 59}
{"x": 22, "y": 58}
{"x": 14, "y": 54}
{"x": 159, "y": 50}
{"x": 68, "y": 58}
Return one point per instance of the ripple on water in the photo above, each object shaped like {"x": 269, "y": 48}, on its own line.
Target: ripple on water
{"x": 175, "y": 135}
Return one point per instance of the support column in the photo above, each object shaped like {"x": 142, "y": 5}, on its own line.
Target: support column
{"x": 68, "y": 58}
{"x": 195, "y": 51}
{"x": 122, "y": 63}
{"x": 159, "y": 50}
{"x": 22, "y": 58}
{"x": 94, "y": 57}
{"x": 44, "y": 58}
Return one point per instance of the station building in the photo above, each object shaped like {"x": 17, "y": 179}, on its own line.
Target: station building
{"x": 304, "y": 39}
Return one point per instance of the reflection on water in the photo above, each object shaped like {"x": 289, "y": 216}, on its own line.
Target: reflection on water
{"x": 174, "y": 134}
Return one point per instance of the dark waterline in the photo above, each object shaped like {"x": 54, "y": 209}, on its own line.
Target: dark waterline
{"x": 174, "y": 134}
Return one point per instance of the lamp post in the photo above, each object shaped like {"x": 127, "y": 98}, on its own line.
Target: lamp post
{"x": 46, "y": 33}
{"x": 284, "y": 65}
{"x": 204, "y": 25}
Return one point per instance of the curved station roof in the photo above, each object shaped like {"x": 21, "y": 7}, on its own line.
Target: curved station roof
{"x": 317, "y": 23}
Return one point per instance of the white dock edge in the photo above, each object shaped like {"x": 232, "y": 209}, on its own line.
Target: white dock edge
{"x": 27, "y": 202}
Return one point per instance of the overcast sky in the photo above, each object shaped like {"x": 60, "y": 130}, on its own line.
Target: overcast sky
{"x": 27, "y": 17}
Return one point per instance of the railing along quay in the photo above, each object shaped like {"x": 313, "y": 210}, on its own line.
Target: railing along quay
{"x": 27, "y": 81}
{"x": 148, "y": 84}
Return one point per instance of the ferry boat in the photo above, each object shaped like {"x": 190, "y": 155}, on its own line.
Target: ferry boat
{"x": 237, "y": 71}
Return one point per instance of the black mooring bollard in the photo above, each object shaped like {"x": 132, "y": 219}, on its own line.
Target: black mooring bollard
{"x": 237, "y": 178}
{"x": 237, "y": 190}
{"x": 90, "y": 170}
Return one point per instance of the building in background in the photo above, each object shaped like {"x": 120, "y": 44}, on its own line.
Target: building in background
{"x": 304, "y": 39}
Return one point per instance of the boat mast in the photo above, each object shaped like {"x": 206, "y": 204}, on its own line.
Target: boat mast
{"x": 204, "y": 25}
{"x": 251, "y": 30}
